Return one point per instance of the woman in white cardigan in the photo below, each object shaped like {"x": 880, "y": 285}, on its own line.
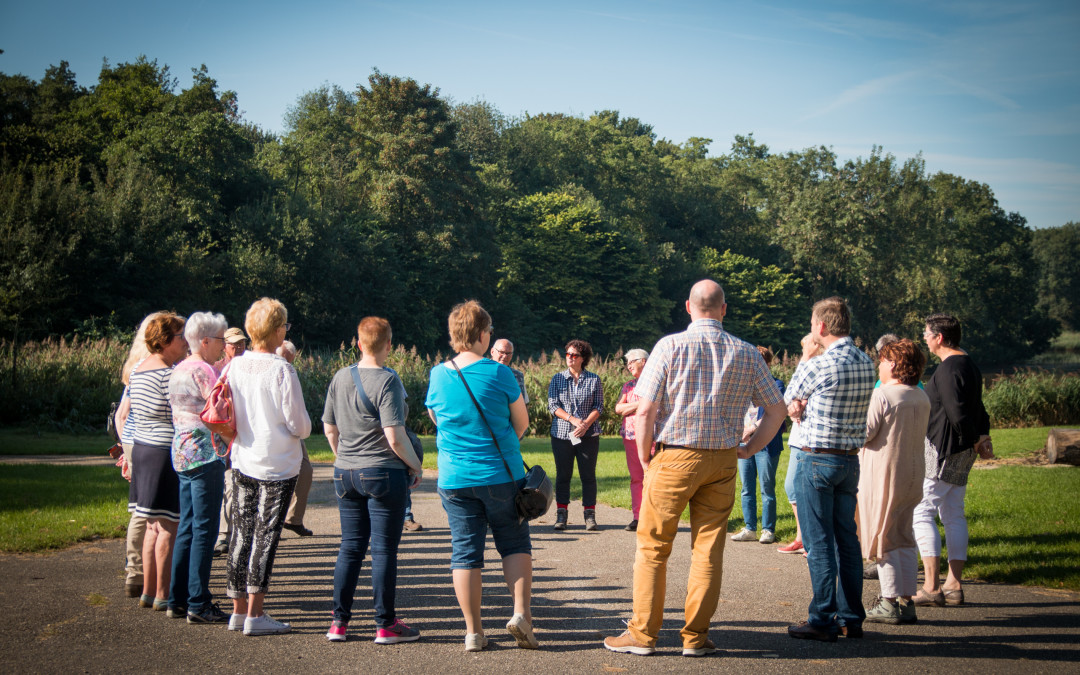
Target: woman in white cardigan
{"x": 271, "y": 420}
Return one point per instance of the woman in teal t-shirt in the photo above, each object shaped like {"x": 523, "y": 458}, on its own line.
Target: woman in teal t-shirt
{"x": 476, "y": 488}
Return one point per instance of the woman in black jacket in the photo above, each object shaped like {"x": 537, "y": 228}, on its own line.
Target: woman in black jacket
{"x": 959, "y": 429}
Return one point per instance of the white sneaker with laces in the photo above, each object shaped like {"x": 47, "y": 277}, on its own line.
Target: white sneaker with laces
{"x": 522, "y": 632}
{"x": 744, "y": 535}
{"x": 236, "y": 621}
{"x": 767, "y": 537}
{"x": 265, "y": 625}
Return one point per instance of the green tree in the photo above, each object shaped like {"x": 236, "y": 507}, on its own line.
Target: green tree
{"x": 1057, "y": 251}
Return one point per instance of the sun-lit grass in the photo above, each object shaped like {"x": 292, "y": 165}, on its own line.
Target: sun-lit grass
{"x": 22, "y": 441}
{"x": 48, "y": 506}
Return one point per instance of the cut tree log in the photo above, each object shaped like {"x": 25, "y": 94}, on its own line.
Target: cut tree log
{"x": 1063, "y": 446}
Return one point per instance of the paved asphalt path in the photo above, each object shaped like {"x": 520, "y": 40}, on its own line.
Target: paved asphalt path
{"x": 66, "y": 612}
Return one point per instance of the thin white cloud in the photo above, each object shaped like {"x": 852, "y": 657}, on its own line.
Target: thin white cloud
{"x": 867, "y": 89}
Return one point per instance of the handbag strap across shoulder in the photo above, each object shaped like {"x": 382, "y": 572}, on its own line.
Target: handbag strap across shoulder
{"x": 482, "y": 417}
{"x": 369, "y": 407}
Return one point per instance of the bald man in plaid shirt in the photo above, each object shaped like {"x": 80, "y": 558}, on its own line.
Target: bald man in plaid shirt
{"x": 695, "y": 389}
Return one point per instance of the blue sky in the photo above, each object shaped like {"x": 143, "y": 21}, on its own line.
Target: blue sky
{"x": 986, "y": 90}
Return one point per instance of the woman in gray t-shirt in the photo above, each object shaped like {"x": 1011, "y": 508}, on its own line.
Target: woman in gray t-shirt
{"x": 364, "y": 419}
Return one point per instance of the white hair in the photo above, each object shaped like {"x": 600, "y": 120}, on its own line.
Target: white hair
{"x": 287, "y": 346}
{"x": 201, "y": 325}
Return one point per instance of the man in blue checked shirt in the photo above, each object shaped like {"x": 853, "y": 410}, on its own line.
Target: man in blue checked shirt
{"x": 695, "y": 389}
{"x": 831, "y": 394}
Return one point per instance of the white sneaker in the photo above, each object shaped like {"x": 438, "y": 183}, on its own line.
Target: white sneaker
{"x": 522, "y": 632}
{"x": 744, "y": 535}
{"x": 265, "y": 625}
{"x": 475, "y": 642}
{"x": 236, "y": 621}
{"x": 767, "y": 537}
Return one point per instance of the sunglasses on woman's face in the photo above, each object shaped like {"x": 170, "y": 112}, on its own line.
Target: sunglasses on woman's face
{"x": 572, "y": 355}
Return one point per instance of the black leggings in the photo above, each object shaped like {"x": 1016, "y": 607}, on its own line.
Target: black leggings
{"x": 585, "y": 452}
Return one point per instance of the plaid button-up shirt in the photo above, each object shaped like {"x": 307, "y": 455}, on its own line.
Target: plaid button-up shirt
{"x": 703, "y": 380}
{"x": 579, "y": 398}
{"x": 838, "y": 385}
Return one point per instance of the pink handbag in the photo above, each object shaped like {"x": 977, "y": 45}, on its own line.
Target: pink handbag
{"x": 218, "y": 415}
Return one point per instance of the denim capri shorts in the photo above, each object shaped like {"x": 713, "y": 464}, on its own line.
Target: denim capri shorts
{"x": 792, "y": 467}
{"x": 472, "y": 510}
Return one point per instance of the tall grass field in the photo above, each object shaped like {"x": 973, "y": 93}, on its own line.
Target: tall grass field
{"x": 68, "y": 386}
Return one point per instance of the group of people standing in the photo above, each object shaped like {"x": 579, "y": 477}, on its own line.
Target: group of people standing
{"x": 700, "y": 410}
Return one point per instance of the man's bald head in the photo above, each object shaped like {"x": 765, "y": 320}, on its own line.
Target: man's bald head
{"x": 706, "y": 301}
{"x": 502, "y": 351}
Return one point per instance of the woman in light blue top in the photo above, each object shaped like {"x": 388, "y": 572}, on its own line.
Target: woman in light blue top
{"x": 476, "y": 484}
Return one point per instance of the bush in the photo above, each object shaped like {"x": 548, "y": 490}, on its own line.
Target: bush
{"x": 68, "y": 386}
{"x": 1033, "y": 398}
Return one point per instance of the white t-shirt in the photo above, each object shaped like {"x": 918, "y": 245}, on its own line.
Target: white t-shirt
{"x": 271, "y": 419}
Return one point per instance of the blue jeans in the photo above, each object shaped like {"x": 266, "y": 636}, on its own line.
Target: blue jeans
{"x": 371, "y": 503}
{"x": 789, "y": 479}
{"x": 472, "y": 510}
{"x": 201, "y": 490}
{"x": 827, "y": 485}
{"x": 761, "y": 466}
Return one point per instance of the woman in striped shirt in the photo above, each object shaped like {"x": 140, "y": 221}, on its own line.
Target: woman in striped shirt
{"x": 157, "y": 496}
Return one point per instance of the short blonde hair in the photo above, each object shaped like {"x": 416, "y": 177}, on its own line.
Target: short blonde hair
{"x": 263, "y": 318}
{"x": 138, "y": 350}
{"x": 468, "y": 321}
{"x": 374, "y": 333}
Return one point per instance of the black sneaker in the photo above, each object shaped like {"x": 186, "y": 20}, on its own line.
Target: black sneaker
{"x": 211, "y": 614}
{"x": 631, "y": 526}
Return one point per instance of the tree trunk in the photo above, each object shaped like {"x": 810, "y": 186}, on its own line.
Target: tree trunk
{"x": 1063, "y": 446}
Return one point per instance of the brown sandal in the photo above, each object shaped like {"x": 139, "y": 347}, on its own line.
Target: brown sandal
{"x": 924, "y": 599}
{"x": 954, "y": 598}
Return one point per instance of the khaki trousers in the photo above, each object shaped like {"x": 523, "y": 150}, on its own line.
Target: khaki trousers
{"x": 704, "y": 479}
{"x": 136, "y": 530}
{"x": 298, "y": 506}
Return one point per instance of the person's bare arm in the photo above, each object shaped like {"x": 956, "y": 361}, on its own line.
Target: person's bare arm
{"x": 402, "y": 447}
{"x": 519, "y": 416}
{"x": 643, "y": 430}
{"x": 332, "y": 436}
{"x": 766, "y": 430}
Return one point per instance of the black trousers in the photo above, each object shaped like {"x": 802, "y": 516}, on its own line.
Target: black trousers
{"x": 565, "y": 453}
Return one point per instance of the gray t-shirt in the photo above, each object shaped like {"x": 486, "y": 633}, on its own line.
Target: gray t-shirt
{"x": 362, "y": 443}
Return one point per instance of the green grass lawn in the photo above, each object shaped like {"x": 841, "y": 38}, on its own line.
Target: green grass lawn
{"x": 1024, "y": 520}
{"x": 47, "y": 506}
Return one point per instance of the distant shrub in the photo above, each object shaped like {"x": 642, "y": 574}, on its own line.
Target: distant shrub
{"x": 68, "y": 386}
{"x": 1033, "y": 398}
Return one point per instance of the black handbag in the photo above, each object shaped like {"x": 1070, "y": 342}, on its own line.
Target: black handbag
{"x": 369, "y": 408}
{"x": 534, "y": 498}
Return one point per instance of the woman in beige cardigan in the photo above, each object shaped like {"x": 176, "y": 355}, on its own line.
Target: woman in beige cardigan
{"x": 890, "y": 482}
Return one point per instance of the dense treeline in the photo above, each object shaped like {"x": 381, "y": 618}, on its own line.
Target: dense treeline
{"x": 138, "y": 194}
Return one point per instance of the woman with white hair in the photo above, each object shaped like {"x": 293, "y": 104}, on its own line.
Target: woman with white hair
{"x": 271, "y": 420}
{"x": 200, "y": 469}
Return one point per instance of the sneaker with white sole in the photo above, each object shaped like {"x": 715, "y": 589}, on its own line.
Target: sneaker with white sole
{"x": 395, "y": 633}
{"x": 744, "y": 535}
{"x": 236, "y": 621}
{"x": 703, "y": 650}
{"x": 475, "y": 642}
{"x": 885, "y": 611}
{"x": 210, "y": 614}
{"x": 522, "y": 632}
{"x": 794, "y": 547}
{"x": 337, "y": 631}
{"x": 265, "y": 625}
{"x": 627, "y": 644}
{"x": 767, "y": 537}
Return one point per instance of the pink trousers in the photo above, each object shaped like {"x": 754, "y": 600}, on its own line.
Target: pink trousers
{"x": 637, "y": 474}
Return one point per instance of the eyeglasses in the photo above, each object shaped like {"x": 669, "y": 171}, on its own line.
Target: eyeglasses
{"x": 573, "y": 355}
{"x": 211, "y": 337}
{"x": 288, "y": 326}
{"x": 496, "y": 349}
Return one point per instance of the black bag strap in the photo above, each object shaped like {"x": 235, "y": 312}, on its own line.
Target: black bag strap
{"x": 482, "y": 417}
{"x": 369, "y": 407}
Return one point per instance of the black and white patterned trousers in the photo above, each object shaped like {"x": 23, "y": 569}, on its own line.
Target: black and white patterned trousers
{"x": 259, "y": 511}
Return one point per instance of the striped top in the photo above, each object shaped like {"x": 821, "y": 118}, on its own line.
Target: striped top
{"x": 703, "y": 380}
{"x": 149, "y": 392}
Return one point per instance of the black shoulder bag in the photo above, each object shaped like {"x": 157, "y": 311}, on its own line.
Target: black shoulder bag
{"x": 534, "y": 499}
{"x": 369, "y": 408}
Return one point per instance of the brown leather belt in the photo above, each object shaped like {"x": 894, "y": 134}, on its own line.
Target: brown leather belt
{"x": 831, "y": 451}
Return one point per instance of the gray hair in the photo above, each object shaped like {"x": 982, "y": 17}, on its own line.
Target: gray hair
{"x": 886, "y": 339}
{"x": 287, "y": 346}
{"x": 202, "y": 325}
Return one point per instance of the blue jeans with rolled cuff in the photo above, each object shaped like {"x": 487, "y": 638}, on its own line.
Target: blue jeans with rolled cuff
{"x": 201, "y": 490}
